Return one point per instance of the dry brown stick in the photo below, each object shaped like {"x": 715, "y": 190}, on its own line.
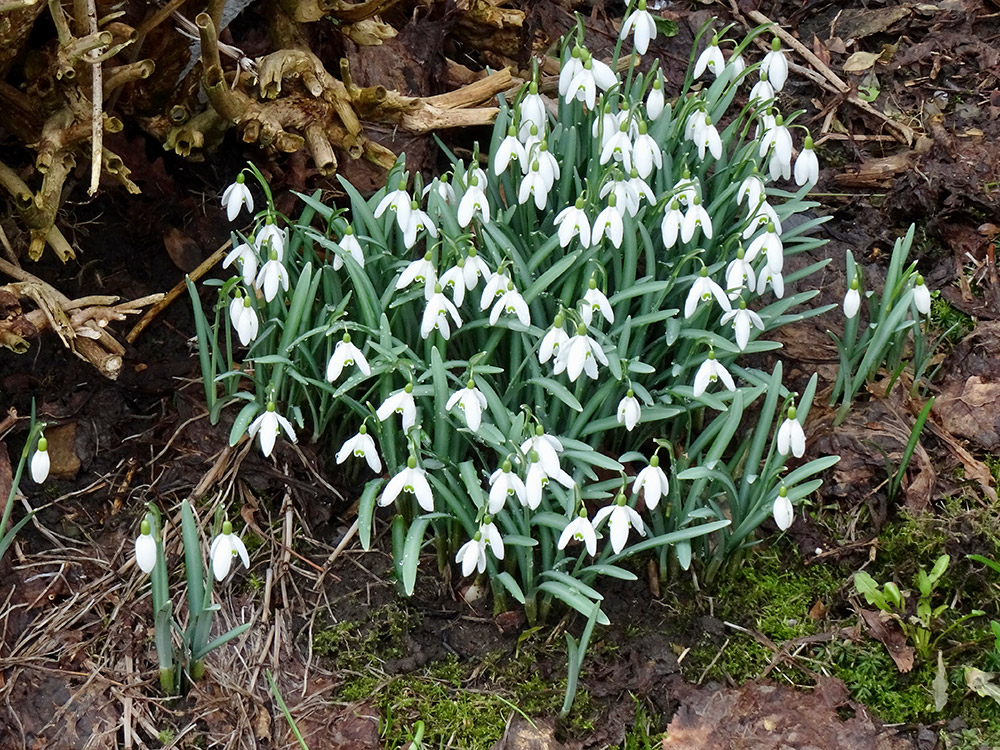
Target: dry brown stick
{"x": 835, "y": 82}
{"x": 96, "y": 106}
{"x": 153, "y": 312}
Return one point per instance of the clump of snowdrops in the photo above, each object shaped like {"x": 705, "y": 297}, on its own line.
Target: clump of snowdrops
{"x": 539, "y": 360}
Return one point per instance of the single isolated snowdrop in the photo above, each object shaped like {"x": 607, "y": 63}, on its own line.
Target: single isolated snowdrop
{"x": 580, "y": 355}
{"x": 852, "y": 300}
{"x": 642, "y": 26}
{"x": 651, "y": 483}
{"x": 621, "y": 517}
{"x": 807, "y": 165}
{"x": 921, "y": 296}
{"x": 361, "y": 446}
{"x": 511, "y": 303}
{"x": 436, "y": 314}
{"x": 247, "y": 257}
{"x": 743, "y": 320}
{"x": 474, "y": 200}
{"x": 346, "y": 354}
{"x": 670, "y": 227}
{"x": 791, "y": 437}
{"x": 247, "y": 325}
{"x": 145, "y": 548}
{"x": 269, "y": 424}
{"x": 350, "y": 245}
{"x": 40, "y": 463}
{"x": 783, "y": 511}
{"x": 411, "y": 480}
{"x": 710, "y": 59}
{"x": 235, "y": 196}
{"x": 223, "y": 549}
{"x": 273, "y": 275}
{"x": 472, "y": 402}
{"x": 776, "y": 65}
{"x": 702, "y": 290}
{"x": 629, "y": 411}
{"x": 580, "y": 529}
{"x": 399, "y": 201}
{"x": 399, "y": 402}
{"x": 572, "y": 221}
{"x": 419, "y": 271}
{"x": 711, "y": 370}
{"x": 504, "y": 483}
{"x": 594, "y": 301}
{"x": 609, "y": 224}
{"x": 553, "y": 339}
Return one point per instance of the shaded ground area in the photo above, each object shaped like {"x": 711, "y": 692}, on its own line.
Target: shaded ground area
{"x": 783, "y": 652}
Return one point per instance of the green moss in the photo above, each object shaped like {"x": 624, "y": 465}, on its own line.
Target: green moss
{"x": 949, "y": 321}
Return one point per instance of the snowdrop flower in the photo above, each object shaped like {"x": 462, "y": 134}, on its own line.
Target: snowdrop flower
{"x": 245, "y": 254}
{"x": 762, "y": 92}
{"x": 400, "y": 402}
{"x": 783, "y": 511}
{"x": 654, "y": 100}
{"x": 491, "y": 537}
{"x": 702, "y": 290}
{"x": 621, "y": 517}
{"x": 740, "y": 275}
{"x": 760, "y": 217}
{"x": 580, "y": 529}
{"x": 472, "y": 555}
{"x": 421, "y": 272}
{"x": 737, "y": 65}
{"x": 791, "y": 437}
{"x": 685, "y": 189}
{"x": 224, "y": 547}
{"x": 711, "y": 370}
{"x": 553, "y": 339}
{"x": 534, "y": 184}
{"x": 548, "y": 166}
{"x": 583, "y": 87}
{"x": 768, "y": 243}
{"x": 779, "y": 138}
{"x": 751, "y": 188}
{"x": 349, "y": 244}
{"x": 609, "y": 223}
{"x": 534, "y": 482}
{"x": 546, "y": 449}
{"x": 742, "y": 320}
{"x": 693, "y": 125}
{"x": 40, "y": 463}
{"x": 603, "y": 75}
{"x": 777, "y": 167}
{"x": 496, "y": 286}
{"x": 921, "y": 296}
{"x": 532, "y": 108}
{"x": 710, "y": 59}
{"x": 670, "y": 227}
{"x": 439, "y": 307}
{"x": 807, "y": 165}
{"x": 530, "y": 141}
{"x": 272, "y": 275}
{"x": 618, "y": 147}
{"x": 595, "y": 301}
{"x": 626, "y": 197}
{"x": 454, "y": 277}
{"x": 774, "y": 278}
{"x": 346, "y": 354}
{"x": 640, "y": 23}
{"x": 361, "y": 446}
{"x": 510, "y": 149}
{"x": 504, "y": 483}
{"x": 572, "y": 221}
{"x": 145, "y": 548}
{"x": 852, "y": 300}
{"x": 640, "y": 189}
{"x": 473, "y": 268}
{"x": 695, "y": 218}
{"x": 472, "y": 402}
{"x": 606, "y": 125}
{"x": 417, "y": 220}
{"x": 651, "y": 483}
{"x": 399, "y": 201}
{"x": 443, "y": 188}
{"x": 412, "y": 480}
{"x": 269, "y": 424}
{"x": 707, "y": 138}
{"x": 570, "y": 68}
{"x": 646, "y": 152}
{"x": 580, "y": 354}
{"x": 244, "y": 319}
{"x": 473, "y": 200}
{"x": 512, "y": 303}
{"x": 776, "y": 66}
{"x": 235, "y": 196}
{"x": 629, "y": 411}
{"x": 269, "y": 239}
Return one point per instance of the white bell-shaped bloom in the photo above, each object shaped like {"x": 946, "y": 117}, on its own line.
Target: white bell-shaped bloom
{"x": 510, "y": 149}
{"x": 350, "y": 245}
{"x": 629, "y": 411}
{"x": 642, "y": 26}
{"x": 606, "y": 125}
{"x": 436, "y": 314}
{"x": 548, "y": 166}
{"x": 773, "y": 278}
{"x": 496, "y": 286}
{"x": 782, "y": 510}
{"x": 346, "y": 354}
{"x": 740, "y": 275}
{"x": 604, "y": 76}
{"x": 269, "y": 424}
{"x": 361, "y": 446}
{"x": 807, "y": 165}
{"x": 244, "y": 318}
{"x": 416, "y": 221}
{"x": 534, "y": 184}
{"x": 776, "y": 65}
{"x": 270, "y": 238}
{"x": 609, "y": 224}
{"x": 693, "y": 125}
{"x": 472, "y": 402}
{"x": 695, "y": 218}
{"x": 778, "y": 138}
{"x": 769, "y": 244}
{"x": 761, "y": 93}
{"x": 40, "y": 463}
{"x": 399, "y": 201}
{"x": 736, "y": 65}
{"x": 570, "y": 67}
{"x": 651, "y": 482}
{"x": 532, "y": 108}
{"x": 572, "y": 221}
{"x": 411, "y": 480}
{"x": 247, "y": 257}
{"x": 580, "y": 355}
{"x": 546, "y": 448}
{"x": 759, "y": 217}
{"x": 503, "y": 484}
{"x": 685, "y": 190}
{"x": 399, "y": 402}
{"x": 626, "y": 197}
{"x": 234, "y": 196}
{"x": 145, "y": 549}
{"x": 654, "y": 99}
{"x": 511, "y": 303}
{"x": 710, "y": 59}
{"x": 646, "y": 152}
{"x": 472, "y": 556}
{"x": 595, "y": 301}
{"x": 583, "y": 87}
{"x": 474, "y": 200}
{"x": 791, "y": 437}
{"x": 580, "y": 529}
{"x": 670, "y": 227}
{"x": 921, "y": 296}
{"x": 419, "y": 271}
{"x": 553, "y": 339}
{"x": 273, "y": 275}
{"x": 702, "y": 290}
{"x": 852, "y": 300}
{"x": 474, "y": 268}
{"x": 222, "y": 550}
{"x": 491, "y": 537}
{"x": 641, "y": 189}
{"x": 752, "y": 189}
{"x": 618, "y": 148}
{"x": 443, "y": 188}
{"x": 711, "y": 370}
{"x": 743, "y": 320}
{"x": 454, "y": 278}
{"x": 621, "y": 517}
{"x": 708, "y": 139}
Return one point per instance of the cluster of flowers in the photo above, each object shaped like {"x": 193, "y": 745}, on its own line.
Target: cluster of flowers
{"x": 221, "y": 552}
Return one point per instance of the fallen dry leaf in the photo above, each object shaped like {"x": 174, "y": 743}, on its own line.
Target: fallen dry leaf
{"x": 890, "y": 635}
